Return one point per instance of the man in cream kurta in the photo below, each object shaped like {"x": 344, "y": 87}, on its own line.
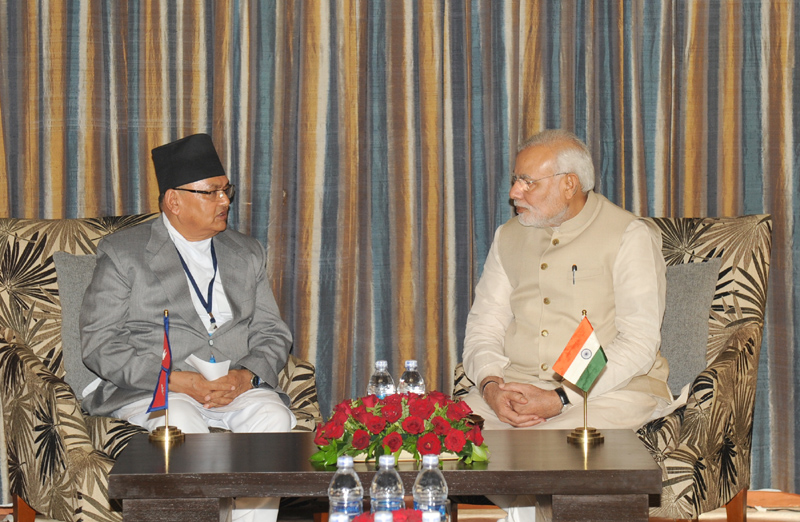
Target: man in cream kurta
{"x": 567, "y": 251}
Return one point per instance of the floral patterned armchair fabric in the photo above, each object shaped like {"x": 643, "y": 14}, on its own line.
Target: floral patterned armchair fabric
{"x": 59, "y": 456}
{"x": 704, "y": 447}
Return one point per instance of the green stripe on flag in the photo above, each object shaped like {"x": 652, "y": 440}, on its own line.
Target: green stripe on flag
{"x": 593, "y": 369}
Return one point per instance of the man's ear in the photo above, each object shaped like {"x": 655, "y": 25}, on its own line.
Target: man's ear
{"x": 572, "y": 185}
{"x": 171, "y": 201}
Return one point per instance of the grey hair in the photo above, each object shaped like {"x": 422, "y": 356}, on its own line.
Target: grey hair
{"x": 572, "y": 154}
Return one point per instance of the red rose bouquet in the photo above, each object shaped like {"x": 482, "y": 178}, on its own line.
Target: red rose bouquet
{"x": 418, "y": 424}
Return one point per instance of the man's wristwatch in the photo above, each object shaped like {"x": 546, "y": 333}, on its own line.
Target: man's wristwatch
{"x": 563, "y": 396}
{"x": 255, "y": 381}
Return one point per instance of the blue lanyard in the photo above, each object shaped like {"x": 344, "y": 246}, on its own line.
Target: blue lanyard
{"x": 206, "y": 303}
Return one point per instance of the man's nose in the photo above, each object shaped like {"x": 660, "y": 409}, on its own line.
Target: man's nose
{"x": 516, "y": 191}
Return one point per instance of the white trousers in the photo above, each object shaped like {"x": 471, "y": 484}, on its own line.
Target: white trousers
{"x": 255, "y": 411}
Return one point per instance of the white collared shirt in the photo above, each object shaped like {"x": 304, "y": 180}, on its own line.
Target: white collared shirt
{"x": 197, "y": 255}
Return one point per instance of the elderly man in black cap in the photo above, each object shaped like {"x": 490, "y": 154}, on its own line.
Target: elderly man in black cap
{"x": 214, "y": 284}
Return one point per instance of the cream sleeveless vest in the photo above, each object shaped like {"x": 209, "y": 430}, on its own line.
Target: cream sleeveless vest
{"x": 556, "y": 275}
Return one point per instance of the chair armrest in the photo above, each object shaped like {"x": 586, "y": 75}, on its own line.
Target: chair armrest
{"x": 299, "y": 382}
{"x": 110, "y": 435}
{"x": 461, "y": 383}
{"x": 53, "y": 464}
{"x": 710, "y": 436}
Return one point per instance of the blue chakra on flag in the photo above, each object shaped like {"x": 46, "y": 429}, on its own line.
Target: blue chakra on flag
{"x": 586, "y": 353}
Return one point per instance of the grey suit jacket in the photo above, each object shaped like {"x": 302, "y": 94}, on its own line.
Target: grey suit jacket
{"x": 139, "y": 275}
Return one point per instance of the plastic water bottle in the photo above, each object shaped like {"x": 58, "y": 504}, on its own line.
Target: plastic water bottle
{"x": 386, "y": 492}
{"x": 381, "y": 382}
{"x": 430, "y": 516}
{"x": 383, "y": 516}
{"x": 411, "y": 381}
{"x": 345, "y": 494}
{"x": 430, "y": 488}
{"x": 338, "y": 517}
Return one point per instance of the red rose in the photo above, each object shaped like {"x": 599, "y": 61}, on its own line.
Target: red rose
{"x": 394, "y": 398}
{"x": 360, "y": 439}
{"x": 333, "y": 430}
{"x": 439, "y": 398}
{"x": 370, "y": 401}
{"x": 393, "y": 441}
{"x": 374, "y": 423}
{"x": 407, "y": 515}
{"x": 364, "y": 517}
{"x": 414, "y": 425}
{"x": 429, "y": 444}
{"x": 440, "y": 426}
{"x": 475, "y": 435}
{"x": 391, "y": 412}
{"x": 455, "y": 440}
{"x": 319, "y": 438}
{"x": 345, "y": 407}
{"x": 420, "y": 406}
{"x": 359, "y": 413}
{"x": 458, "y": 410}
{"x": 339, "y": 417}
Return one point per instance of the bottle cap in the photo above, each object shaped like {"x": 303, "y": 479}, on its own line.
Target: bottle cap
{"x": 338, "y": 517}
{"x": 429, "y": 516}
{"x": 411, "y": 364}
{"x": 429, "y": 460}
{"x": 386, "y": 460}
{"x": 383, "y": 516}
{"x": 344, "y": 461}
{"x": 381, "y": 365}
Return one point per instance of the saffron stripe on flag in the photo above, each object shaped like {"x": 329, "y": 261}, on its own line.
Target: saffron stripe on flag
{"x": 574, "y": 347}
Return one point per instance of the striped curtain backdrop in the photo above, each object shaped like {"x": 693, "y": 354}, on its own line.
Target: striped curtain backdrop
{"x": 371, "y": 143}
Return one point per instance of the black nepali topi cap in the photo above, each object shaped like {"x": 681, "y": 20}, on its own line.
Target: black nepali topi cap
{"x": 185, "y": 161}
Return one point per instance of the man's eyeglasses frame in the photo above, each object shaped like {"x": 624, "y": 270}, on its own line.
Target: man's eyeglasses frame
{"x": 229, "y": 190}
{"x": 529, "y": 183}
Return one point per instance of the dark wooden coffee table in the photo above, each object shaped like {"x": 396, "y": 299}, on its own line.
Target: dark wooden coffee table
{"x": 196, "y": 480}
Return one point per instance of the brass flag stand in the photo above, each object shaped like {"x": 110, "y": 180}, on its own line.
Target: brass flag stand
{"x": 166, "y": 433}
{"x": 585, "y": 435}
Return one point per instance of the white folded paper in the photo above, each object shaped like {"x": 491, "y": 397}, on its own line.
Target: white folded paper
{"x": 209, "y": 370}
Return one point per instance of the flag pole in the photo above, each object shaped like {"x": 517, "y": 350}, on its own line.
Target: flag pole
{"x": 585, "y": 436}
{"x": 585, "y": 410}
{"x": 165, "y": 434}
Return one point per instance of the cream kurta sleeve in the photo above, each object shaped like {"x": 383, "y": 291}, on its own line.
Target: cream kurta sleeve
{"x": 488, "y": 320}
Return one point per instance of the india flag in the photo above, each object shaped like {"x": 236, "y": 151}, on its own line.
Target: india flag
{"x": 583, "y": 359}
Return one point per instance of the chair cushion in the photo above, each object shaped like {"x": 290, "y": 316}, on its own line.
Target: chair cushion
{"x": 74, "y": 273}
{"x": 684, "y": 331}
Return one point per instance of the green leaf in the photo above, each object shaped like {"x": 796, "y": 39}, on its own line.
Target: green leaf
{"x": 480, "y": 453}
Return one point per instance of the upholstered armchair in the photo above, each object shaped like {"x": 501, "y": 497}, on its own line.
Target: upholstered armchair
{"x": 59, "y": 456}
{"x": 704, "y": 446}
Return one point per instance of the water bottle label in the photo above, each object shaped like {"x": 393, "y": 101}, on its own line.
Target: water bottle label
{"x": 351, "y": 508}
{"x": 440, "y": 507}
{"x": 392, "y": 504}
